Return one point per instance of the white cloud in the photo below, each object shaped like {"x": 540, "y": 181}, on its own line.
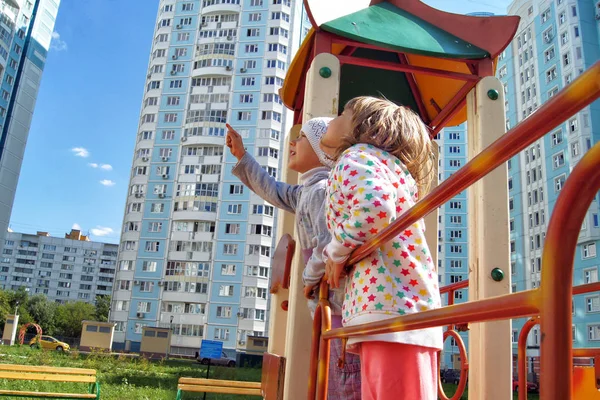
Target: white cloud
{"x": 101, "y": 231}
{"x": 106, "y": 167}
{"x": 93, "y": 165}
{"x": 80, "y": 152}
{"x": 58, "y": 44}
{"x": 107, "y": 182}
{"x": 76, "y": 226}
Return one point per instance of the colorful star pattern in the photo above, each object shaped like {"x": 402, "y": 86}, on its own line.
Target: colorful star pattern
{"x": 366, "y": 191}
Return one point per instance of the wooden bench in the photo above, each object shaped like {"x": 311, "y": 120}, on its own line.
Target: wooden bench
{"x": 50, "y": 374}
{"x": 216, "y": 386}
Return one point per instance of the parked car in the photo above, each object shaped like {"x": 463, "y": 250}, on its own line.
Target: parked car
{"x": 224, "y": 360}
{"x": 50, "y": 343}
{"x": 450, "y": 376}
{"x": 531, "y": 386}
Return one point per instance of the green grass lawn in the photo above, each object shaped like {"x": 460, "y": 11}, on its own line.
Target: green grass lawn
{"x": 133, "y": 378}
{"x": 122, "y": 377}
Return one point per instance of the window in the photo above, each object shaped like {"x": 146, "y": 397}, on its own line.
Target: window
{"x": 226, "y": 290}
{"x": 187, "y": 6}
{"x": 545, "y": 16}
{"x": 244, "y": 115}
{"x": 232, "y": 229}
{"x": 590, "y": 275}
{"x": 146, "y": 286}
{"x": 149, "y": 266}
{"x": 251, "y": 48}
{"x": 234, "y": 209}
{"x": 592, "y": 304}
{"x": 558, "y": 160}
{"x": 549, "y": 54}
{"x": 573, "y": 125}
{"x": 559, "y": 182}
{"x": 230, "y": 249}
{"x": 254, "y": 17}
{"x": 564, "y": 37}
{"x": 593, "y": 332}
{"x": 152, "y": 247}
{"x": 228, "y": 269}
{"x": 588, "y": 250}
{"x": 557, "y": 138}
{"x": 222, "y": 333}
{"x": 551, "y": 74}
{"x": 566, "y": 59}
{"x": 575, "y": 149}
{"x": 223, "y": 312}
{"x": 253, "y": 32}
{"x": 246, "y": 98}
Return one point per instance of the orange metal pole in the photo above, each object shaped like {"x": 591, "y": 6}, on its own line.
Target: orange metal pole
{"x": 522, "y": 356}
{"x": 323, "y": 369}
{"x": 314, "y": 354}
{"x": 581, "y": 92}
{"x": 515, "y": 305}
{"x": 559, "y": 251}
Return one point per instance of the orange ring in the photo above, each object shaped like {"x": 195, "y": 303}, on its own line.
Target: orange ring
{"x": 462, "y": 383}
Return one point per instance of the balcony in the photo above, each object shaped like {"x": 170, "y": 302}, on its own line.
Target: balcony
{"x": 220, "y": 6}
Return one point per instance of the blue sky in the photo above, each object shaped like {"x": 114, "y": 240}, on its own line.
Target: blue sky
{"x": 78, "y": 156}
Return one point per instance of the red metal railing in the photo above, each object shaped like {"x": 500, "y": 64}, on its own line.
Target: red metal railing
{"x": 552, "y": 299}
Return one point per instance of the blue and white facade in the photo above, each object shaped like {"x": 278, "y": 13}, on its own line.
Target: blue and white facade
{"x": 25, "y": 33}
{"x": 196, "y": 244}
{"x": 453, "y": 251}
{"x": 556, "y": 41}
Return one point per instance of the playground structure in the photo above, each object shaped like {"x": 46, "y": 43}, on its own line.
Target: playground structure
{"x": 23, "y": 331}
{"x": 442, "y": 66}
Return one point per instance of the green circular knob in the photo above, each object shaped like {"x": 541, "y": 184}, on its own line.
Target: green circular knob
{"x": 497, "y": 274}
{"x": 493, "y": 94}
{"x": 325, "y": 72}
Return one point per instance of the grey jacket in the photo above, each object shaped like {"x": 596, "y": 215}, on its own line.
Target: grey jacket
{"x": 307, "y": 201}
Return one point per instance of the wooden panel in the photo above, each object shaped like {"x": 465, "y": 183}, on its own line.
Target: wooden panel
{"x": 218, "y": 389}
{"x": 50, "y": 370}
{"x": 282, "y": 263}
{"x": 218, "y": 382}
{"x": 273, "y": 374}
{"x": 47, "y": 394}
{"x": 47, "y": 377}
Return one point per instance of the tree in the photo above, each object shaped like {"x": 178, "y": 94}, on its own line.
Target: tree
{"x": 43, "y": 312}
{"x": 102, "y": 308}
{"x": 70, "y": 315}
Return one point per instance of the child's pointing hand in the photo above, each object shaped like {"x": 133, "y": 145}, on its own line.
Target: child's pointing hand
{"x": 235, "y": 143}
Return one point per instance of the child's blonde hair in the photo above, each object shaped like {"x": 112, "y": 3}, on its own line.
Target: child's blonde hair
{"x": 395, "y": 129}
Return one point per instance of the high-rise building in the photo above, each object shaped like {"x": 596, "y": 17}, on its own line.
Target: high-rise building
{"x": 196, "y": 244}
{"x": 72, "y": 268}
{"x": 453, "y": 250}
{"x": 556, "y": 41}
{"x": 25, "y": 34}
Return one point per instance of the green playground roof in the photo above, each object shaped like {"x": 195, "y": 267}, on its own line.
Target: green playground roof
{"x": 387, "y": 26}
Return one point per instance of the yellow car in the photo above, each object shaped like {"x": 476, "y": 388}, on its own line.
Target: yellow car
{"x": 50, "y": 343}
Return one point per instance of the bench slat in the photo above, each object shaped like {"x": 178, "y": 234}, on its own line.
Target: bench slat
{"x": 218, "y": 389}
{"x": 47, "y": 377}
{"x": 47, "y": 394}
{"x": 50, "y": 370}
{"x": 218, "y": 382}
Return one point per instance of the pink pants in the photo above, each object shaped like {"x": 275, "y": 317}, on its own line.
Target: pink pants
{"x": 397, "y": 371}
